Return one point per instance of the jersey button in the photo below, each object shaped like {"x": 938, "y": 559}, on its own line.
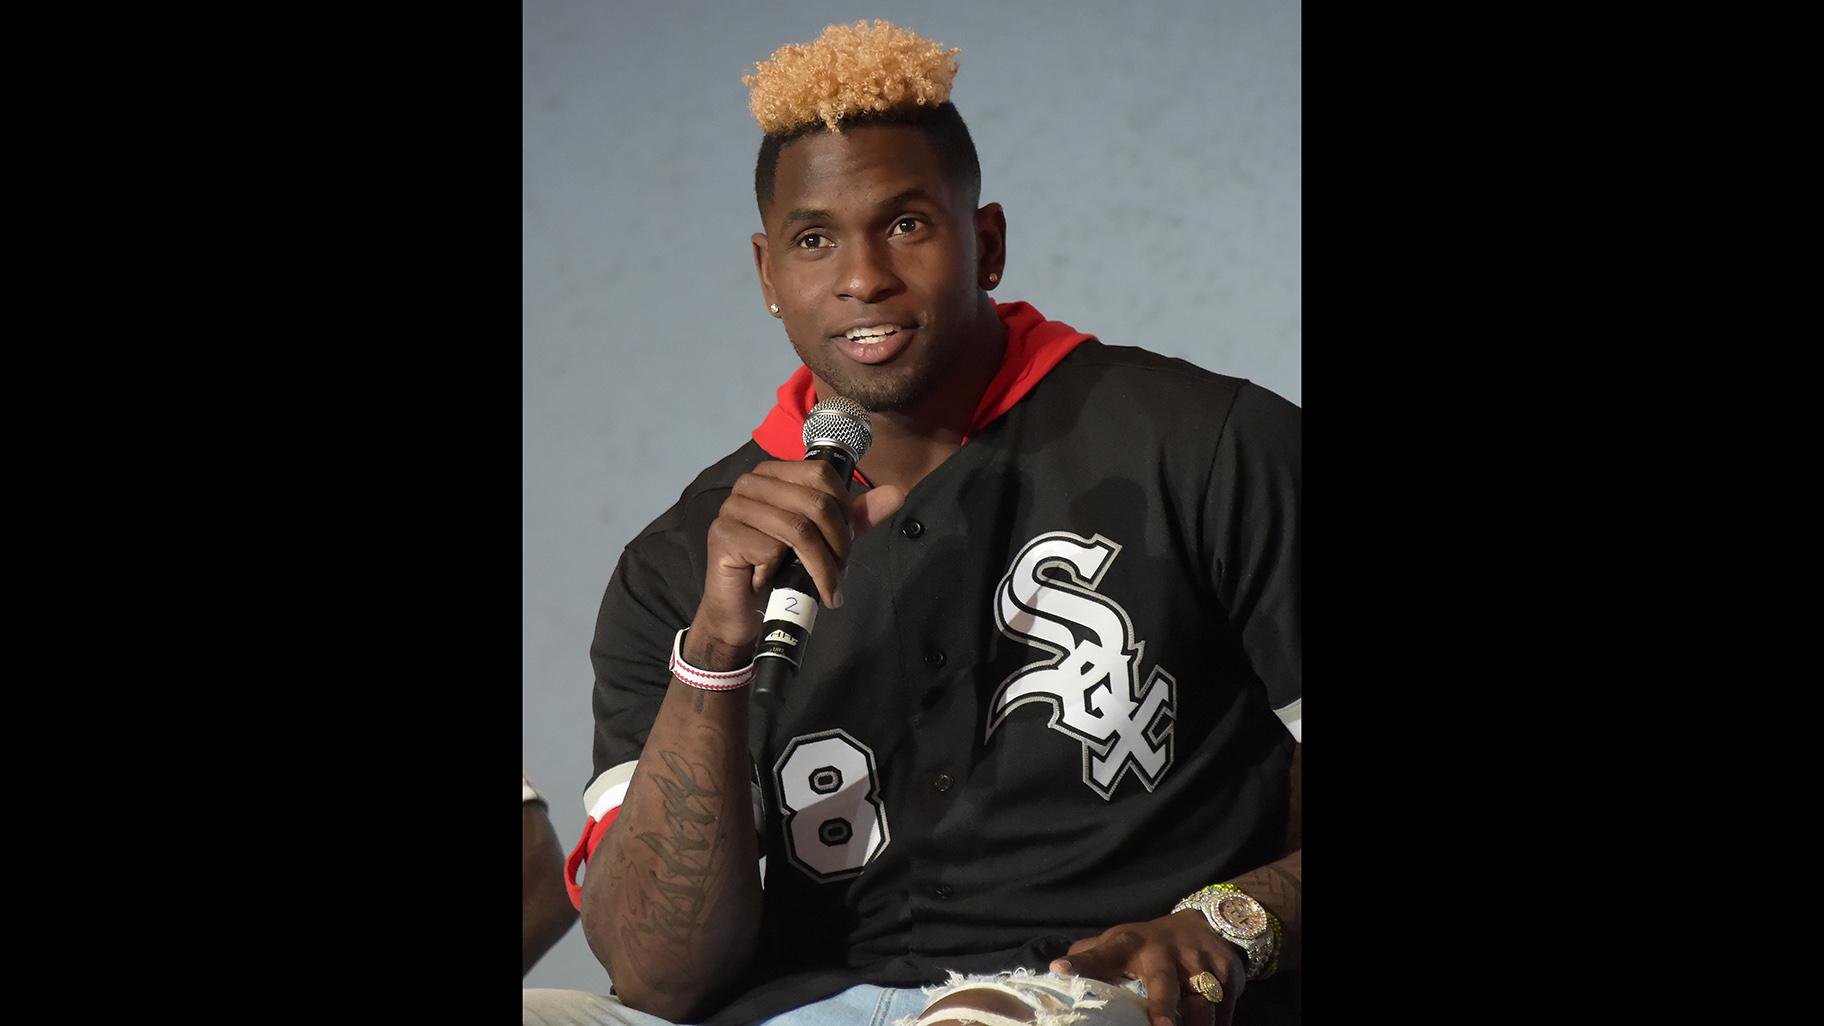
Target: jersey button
{"x": 911, "y": 528}
{"x": 935, "y": 658}
{"x": 943, "y": 782}
{"x": 942, "y": 892}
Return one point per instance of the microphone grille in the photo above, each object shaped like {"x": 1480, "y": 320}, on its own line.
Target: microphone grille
{"x": 842, "y": 421}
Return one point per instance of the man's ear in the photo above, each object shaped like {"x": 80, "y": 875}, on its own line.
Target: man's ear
{"x": 764, "y": 271}
{"x": 990, "y": 244}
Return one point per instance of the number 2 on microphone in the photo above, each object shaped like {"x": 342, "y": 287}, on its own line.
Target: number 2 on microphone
{"x": 792, "y": 605}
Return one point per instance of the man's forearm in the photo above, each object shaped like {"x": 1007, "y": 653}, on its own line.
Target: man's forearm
{"x": 1277, "y": 886}
{"x": 544, "y": 910}
{"x": 671, "y": 902}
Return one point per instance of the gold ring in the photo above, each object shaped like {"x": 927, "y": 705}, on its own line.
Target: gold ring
{"x": 1209, "y": 986}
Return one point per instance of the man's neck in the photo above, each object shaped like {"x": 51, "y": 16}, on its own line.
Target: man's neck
{"x": 912, "y": 442}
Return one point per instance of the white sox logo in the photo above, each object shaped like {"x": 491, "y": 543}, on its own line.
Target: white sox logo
{"x": 1048, "y": 600}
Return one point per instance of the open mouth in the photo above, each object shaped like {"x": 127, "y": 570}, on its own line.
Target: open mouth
{"x": 872, "y": 335}
{"x": 874, "y": 343}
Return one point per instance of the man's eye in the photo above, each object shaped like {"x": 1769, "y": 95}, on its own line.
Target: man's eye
{"x": 811, "y": 241}
{"x": 905, "y": 225}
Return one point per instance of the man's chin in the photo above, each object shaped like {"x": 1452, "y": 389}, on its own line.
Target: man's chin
{"x": 877, "y": 396}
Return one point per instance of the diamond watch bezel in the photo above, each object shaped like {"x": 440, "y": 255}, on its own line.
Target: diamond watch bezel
{"x": 1229, "y": 926}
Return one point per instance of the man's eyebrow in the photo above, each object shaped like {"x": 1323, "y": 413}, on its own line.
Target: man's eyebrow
{"x": 803, "y": 214}
{"x": 908, "y": 196}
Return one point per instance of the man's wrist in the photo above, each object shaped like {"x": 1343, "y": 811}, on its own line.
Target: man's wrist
{"x": 704, "y": 650}
{"x": 1238, "y": 957}
{"x": 1242, "y": 922}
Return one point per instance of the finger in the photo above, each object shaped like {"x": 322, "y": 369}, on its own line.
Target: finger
{"x": 763, "y": 572}
{"x": 806, "y": 534}
{"x": 1194, "y": 1009}
{"x": 829, "y": 511}
{"x": 738, "y": 550}
{"x": 1234, "y": 976}
{"x": 872, "y": 507}
{"x": 1163, "y": 989}
{"x": 1195, "y": 961}
{"x": 1104, "y": 959}
{"x": 818, "y": 474}
{"x": 1223, "y": 1014}
{"x": 865, "y": 510}
{"x": 1199, "y": 1009}
{"x": 815, "y": 500}
{"x": 735, "y": 548}
{"x": 1086, "y": 943}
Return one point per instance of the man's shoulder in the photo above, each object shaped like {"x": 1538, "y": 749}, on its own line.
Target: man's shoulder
{"x": 1111, "y": 358}
{"x": 702, "y": 498}
{"x": 1164, "y": 387}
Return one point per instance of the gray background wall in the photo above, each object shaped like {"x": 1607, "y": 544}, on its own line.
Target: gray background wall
{"x": 1147, "y": 155}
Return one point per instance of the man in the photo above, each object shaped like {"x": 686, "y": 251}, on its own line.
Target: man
{"x": 1038, "y": 710}
{"x": 544, "y": 915}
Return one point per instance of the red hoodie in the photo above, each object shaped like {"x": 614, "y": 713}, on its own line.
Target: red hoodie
{"x": 1034, "y": 347}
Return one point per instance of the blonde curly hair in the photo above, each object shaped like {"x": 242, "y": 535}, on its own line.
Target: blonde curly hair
{"x": 850, "y": 70}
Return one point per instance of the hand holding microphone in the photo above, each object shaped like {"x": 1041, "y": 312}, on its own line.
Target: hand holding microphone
{"x": 793, "y": 521}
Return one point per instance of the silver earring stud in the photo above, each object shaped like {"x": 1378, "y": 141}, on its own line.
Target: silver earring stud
{"x": 994, "y": 277}
{"x": 774, "y": 307}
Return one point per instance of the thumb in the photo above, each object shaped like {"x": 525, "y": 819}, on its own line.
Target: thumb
{"x": 872, "y": 507}
{"x": 1104, "y": 960}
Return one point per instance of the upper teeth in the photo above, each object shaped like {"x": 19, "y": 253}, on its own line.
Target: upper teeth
{"x": 877, "y": 331}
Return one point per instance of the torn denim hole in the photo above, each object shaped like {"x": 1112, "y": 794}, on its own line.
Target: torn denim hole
{"x": 1055, "y": 1001}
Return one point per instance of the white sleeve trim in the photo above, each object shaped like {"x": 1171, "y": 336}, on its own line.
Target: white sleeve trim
{"x": 607, "y": 791}
{"x": 1293, "y": 717}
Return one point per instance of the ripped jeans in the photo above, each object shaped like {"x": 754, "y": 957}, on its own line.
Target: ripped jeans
{"x": 1054, "y": 1001}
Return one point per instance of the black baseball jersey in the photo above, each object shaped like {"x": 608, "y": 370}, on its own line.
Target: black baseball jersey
{"x": 1048, "y": 702}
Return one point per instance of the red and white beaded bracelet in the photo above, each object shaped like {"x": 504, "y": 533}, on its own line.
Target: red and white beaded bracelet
{"x": 707, "y": 680}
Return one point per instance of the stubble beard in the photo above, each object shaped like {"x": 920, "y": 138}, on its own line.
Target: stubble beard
{"x": 886, "y": 390}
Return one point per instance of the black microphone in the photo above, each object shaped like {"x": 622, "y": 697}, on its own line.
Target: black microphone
{"x": 837, "y": 430}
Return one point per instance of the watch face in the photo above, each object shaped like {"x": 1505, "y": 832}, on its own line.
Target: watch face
{"x": 1242, "y": 914}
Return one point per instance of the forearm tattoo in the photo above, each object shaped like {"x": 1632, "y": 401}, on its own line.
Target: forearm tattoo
{"x": 660, "y": 931}
{"x": 1277, "y": 886}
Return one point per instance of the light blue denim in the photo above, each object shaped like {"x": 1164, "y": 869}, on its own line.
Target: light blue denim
{"x": 861, "y": 1005}
{"x": 1054, "y": 999}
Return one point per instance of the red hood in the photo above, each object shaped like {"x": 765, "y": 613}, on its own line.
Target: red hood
{"x": 1034, "y": 347}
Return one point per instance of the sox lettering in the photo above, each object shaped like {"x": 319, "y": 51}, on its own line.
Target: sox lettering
{"x": 1090, "y": 678}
